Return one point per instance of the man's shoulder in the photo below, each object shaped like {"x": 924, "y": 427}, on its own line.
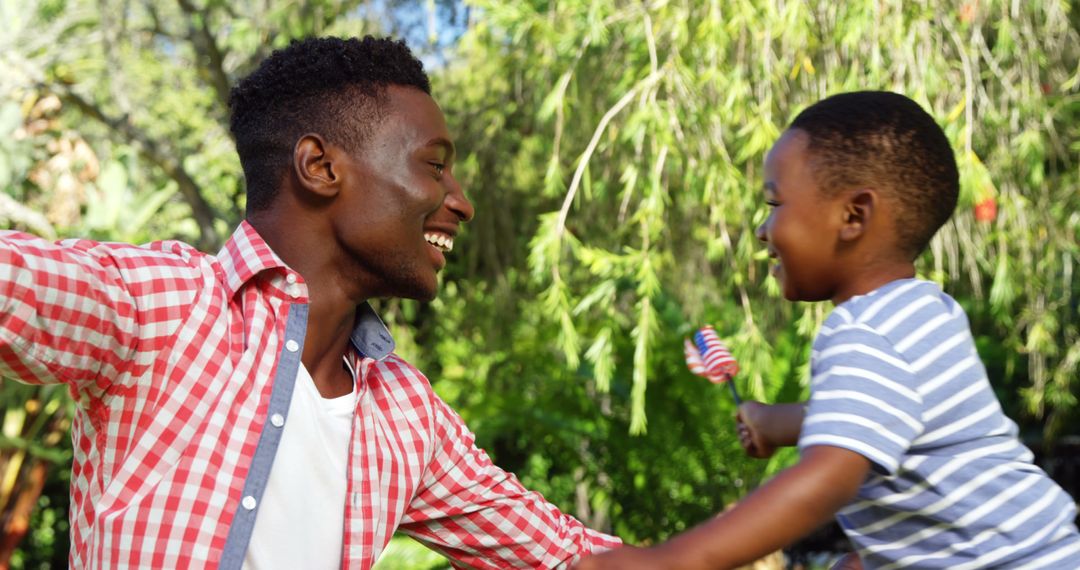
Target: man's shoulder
{"x": 400, "y": 378}
{"x": 160, "y": 266}
{"x": 169, "y": 253}
{"x": 401, "y": 391}
{"x": 164, "y": 264}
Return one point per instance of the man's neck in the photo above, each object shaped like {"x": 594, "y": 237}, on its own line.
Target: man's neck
{"x": 328, "y": 332}
{"x": 331, "y": 308}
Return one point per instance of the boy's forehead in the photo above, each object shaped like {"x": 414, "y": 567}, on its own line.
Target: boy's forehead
{"x": 792, "y": 144}
{"x": 790, "y": 151}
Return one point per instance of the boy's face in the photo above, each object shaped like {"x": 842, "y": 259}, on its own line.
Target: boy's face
{"x": 801, "y": 232}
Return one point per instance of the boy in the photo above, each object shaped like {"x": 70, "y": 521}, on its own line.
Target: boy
{"x": 903, "y": 440}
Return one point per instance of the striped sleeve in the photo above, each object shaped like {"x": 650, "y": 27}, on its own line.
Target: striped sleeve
{"x": 862, "y": 397}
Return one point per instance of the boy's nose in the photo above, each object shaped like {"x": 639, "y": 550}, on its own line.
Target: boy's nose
{"x": 760, "y": 232}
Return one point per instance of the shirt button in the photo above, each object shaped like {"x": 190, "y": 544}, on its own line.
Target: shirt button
{"x": 290, "y": 278}
{"x": 249, "y": 502}
{"x": 292, "y": 346}
{"x": 278, "y": 420}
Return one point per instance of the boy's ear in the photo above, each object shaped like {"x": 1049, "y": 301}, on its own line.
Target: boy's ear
{"x": 316, "y": 166}
{"x": 858, "y": 209}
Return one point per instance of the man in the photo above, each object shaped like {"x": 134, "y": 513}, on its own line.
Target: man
{"x": 246, "y": 409}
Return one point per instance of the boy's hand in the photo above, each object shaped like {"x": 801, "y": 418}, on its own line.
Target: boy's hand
{"x": 763, "y": 428}
{"x": 751, "y": 418}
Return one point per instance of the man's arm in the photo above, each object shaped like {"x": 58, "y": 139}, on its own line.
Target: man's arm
{"x": 480, "y": 516}
{"x": 791, "y": 505}
{"x": 65, "y": 316}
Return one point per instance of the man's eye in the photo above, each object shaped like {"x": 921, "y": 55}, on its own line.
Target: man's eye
{"x": 439, "y": 167}
{"x": 772, "y": 203}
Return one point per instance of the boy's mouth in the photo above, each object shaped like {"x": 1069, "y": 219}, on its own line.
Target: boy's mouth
{"x": 774, "y": 265}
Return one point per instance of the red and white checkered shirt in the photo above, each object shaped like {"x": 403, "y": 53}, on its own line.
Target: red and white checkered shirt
{"x": 178, "y": 359}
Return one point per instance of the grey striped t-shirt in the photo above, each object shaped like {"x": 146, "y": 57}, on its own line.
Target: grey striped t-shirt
{"x": 896, "y": 378}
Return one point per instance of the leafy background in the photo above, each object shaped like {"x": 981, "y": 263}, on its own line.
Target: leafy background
{"x": 613, "y": 150}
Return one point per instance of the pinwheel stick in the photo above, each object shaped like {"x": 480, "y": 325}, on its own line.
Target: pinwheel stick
{"x": 734, "y": 392}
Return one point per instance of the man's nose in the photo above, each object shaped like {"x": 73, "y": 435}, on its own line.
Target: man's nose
{"x": 458, "y": 203}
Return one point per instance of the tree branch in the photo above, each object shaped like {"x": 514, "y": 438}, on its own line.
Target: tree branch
{"x": 201, "y": 210}
{"x": 202, "y": 39}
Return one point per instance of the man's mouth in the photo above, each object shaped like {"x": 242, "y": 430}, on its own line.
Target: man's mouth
{"x": 441, "y": 241}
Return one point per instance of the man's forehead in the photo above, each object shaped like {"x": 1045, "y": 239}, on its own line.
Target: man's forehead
{"x": 412, "y": 108}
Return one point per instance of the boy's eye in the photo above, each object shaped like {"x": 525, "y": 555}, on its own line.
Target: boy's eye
{"x": 439, "y": 167}
{"x": 772, "y": 203}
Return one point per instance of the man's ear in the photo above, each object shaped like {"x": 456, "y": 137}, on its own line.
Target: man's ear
{"x": 858, "y": 209}
{"x": 315, "y": 165}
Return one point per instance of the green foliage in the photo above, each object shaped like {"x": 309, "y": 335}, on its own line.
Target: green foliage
{"x": 561, "y": 435}
{"x": 650, "y": 120}
{"x": 405, "y": 554}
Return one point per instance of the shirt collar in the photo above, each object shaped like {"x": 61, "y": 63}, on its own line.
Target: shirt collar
{"x": 246, "y": 255}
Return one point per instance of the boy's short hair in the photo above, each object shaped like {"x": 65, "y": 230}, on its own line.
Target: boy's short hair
{"x": 885, "y": 141}
{"x": 330, "y": 86}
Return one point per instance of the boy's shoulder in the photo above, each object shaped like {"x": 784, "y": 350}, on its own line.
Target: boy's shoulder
{"x": 895, "y": 305}
{"x": 899, "y": 316}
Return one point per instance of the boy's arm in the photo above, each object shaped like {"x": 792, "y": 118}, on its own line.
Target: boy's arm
{"x": 791, "y": 505}
{"x": 764, "y": 427}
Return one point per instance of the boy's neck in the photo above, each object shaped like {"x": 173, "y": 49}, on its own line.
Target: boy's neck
{"x": 874, "y": 277}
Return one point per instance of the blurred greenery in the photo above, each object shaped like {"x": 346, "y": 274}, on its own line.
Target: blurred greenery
{"x": 613, "y": 150}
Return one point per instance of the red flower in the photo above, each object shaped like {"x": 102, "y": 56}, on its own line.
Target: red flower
{"x": 967, "y": 11}
{"x": 986, "y": 210}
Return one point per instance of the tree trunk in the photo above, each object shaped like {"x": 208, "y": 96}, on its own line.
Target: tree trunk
{"x": 15, "y": 518}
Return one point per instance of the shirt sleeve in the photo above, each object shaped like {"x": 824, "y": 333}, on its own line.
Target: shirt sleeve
{"x": 862, "y": 398}
{"x": 480, "y": 516}
{"x": 65, "y": 314}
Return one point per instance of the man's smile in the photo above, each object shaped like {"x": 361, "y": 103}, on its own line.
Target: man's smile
{"x": 443, "y": 242}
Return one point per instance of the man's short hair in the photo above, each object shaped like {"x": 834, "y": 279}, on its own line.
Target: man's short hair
{"x": 330, "y": 86}
{"x": 885, "y": 141}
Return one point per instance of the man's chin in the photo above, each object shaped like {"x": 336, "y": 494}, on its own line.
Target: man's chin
{"x": 428, "y": 296}
{"x": 423, "y": 292}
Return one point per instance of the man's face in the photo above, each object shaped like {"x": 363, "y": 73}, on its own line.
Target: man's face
{"x": 401, "y": 205}
{"x": 802, "y": 228}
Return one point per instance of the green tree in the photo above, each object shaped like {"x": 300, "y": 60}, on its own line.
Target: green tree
{"x": 637, "y": 131}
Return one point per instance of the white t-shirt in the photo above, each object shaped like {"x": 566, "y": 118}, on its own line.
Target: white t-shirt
{"x": 301, "y": 517}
